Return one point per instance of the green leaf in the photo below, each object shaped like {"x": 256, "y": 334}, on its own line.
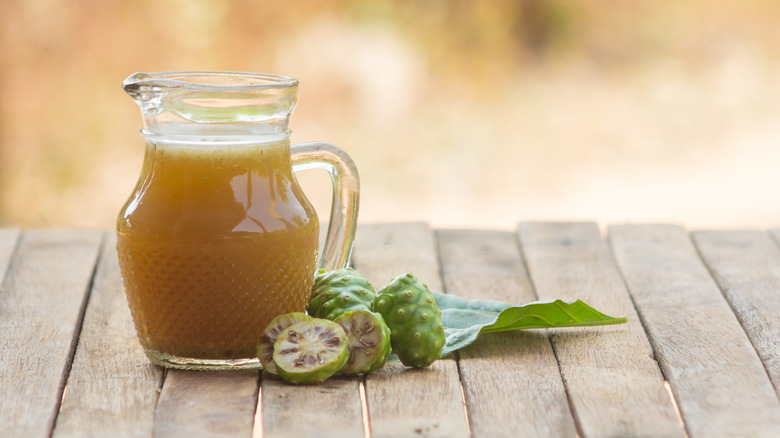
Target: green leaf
{"x": 465, "y": 319}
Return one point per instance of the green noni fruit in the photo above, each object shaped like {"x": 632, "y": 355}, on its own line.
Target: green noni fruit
{"x": 368, "y": 341}
{"x": 310, "y": 351}
{"x": 339, "y": 291}
{"x": 414, "y": 319}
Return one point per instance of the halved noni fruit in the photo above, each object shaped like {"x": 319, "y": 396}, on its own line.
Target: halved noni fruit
{"x": 368, "y": 341}
{"x": 265, "y": 346}
{"x": 310, "y": 351}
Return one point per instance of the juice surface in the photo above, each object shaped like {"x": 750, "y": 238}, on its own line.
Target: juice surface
{"x": 214, "y": 243}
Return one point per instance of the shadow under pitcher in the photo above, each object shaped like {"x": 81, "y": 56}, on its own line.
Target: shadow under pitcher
{"x": 217, "y": 237}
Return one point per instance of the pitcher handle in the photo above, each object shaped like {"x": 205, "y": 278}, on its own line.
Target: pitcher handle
{"x": 346, "y": 196}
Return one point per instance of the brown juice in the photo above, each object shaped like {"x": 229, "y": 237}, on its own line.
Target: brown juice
{"x": 214, "y": 243}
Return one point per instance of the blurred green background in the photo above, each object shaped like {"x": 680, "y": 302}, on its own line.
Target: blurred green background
{"x": 458, "y": 112}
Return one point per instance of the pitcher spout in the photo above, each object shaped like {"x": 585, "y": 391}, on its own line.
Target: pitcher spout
{"x": 213, "y": 103}
{"x": 143, "y": 91}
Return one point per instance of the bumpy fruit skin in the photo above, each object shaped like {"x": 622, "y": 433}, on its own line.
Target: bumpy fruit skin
{"x": 265, "y": 346}
{"x": 368, "y": 341}
{"x": 310, "y": 351}
{"x": 339, "y": 291}
{"x": 414, "y": 319}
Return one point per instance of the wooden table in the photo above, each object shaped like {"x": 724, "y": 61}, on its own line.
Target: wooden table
{"x": 700, "y": 355}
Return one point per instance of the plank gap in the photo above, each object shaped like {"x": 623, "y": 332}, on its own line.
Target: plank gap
{"x": 524, "y": 262}
{"x": 163, "y": 378}
{"x": 8, "y": 250}
{"x": 75, "y": 340}
{"x": 436, "y": 237}
{"x": 566, "y": 387}
{"x": 723, "y": 293}
{"x": 456, "y": 356}
{"x": 364, "y": 407}
{"x": 257, "y": 424}
{"x": 569, "y": 400}
{"x": 676, "y": 407}
{"x": 641, "y": 316}
{"x": 775, "y": 235}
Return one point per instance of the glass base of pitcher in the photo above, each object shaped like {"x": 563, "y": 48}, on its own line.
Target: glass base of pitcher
{"x": 188, "y": 363}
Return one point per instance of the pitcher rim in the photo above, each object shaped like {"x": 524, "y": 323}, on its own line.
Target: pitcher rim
{"x": 179, "y": 79}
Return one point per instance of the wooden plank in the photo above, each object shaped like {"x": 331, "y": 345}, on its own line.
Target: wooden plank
{"x": 488, "y": 265}
{"x": 404, "y": 401}
{"x": 615, "y": 386}
{"x": 112, "y": 389}
{"x": 40, "y": 313}
{"x": 8, "y": 241}
{"x": 746, "y": 265}
{"x": 207, "y": 404}
{"x": 720, "y": 385}
{"x": 330, "y": 409}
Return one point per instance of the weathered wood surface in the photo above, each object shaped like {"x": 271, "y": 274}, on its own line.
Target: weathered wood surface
{"x": 614, "y": 384}
{"x": 112, "y": 389}
{"x": 332, "y": 409}
{"x": 512, "y": 376}
{"x": 404, "y": 401}
{"x": 717, "y": 378}
{"x": 702, "y": 310}
{"x": 206, "y": 404}
{"x": 746, "y": 265}
{"x": 41, "y": 306}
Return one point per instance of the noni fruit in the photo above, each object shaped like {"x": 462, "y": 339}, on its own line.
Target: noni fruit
{"x": 265, "y": 346}
{"x": 310, "y": 351}
{"x": 339, "y": 291}
{"x": 368, "y": 341}
{"x": 414, "y": 319}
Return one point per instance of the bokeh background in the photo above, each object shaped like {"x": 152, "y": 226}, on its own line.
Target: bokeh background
{"x": 458, "y": 112}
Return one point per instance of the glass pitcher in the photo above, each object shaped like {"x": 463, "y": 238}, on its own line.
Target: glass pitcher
{"x": 217, "y": 237}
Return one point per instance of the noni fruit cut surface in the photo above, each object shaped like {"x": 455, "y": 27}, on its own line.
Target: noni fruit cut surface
{"x": 310, "y": 351}
{"x": 368, "y": 341}
{"x": 265, "y": 346}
